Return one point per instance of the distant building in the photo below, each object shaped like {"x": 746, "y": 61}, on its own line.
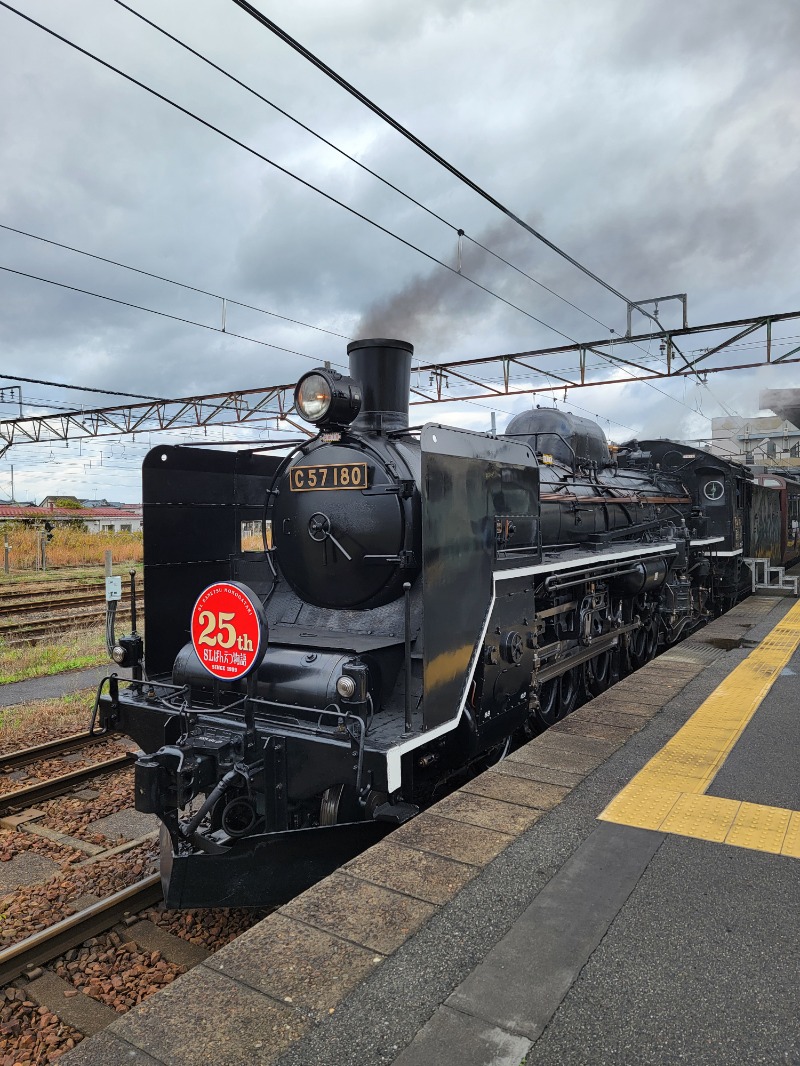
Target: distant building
{"x": 96, "y": 519}
{"x": 54, "y": 501}
{"x": 113, "y": 519}
{"x": 107, "y": 503}
{"x": 769, "y": 441}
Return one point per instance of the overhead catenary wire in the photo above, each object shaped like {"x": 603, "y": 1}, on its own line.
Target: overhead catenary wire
{"x": 193, "y": 288}
{"x": 283, "y": 170}
{"x": 146, "y": 273}
{"x": 307, "y": 54}
{"x": 315, "y": 60}
{"x": 314, "y": 188}
{"x": 373, "y": 173}
{"x": 406, "y": 195}
{"x": 170, "y": 281}
{"x": 254, "y": 340}
{"x": 153, "y": 311}
{"x": 78, "y": 388}
{"x": 356, "y": 162}
{"x": 697, "y": 373}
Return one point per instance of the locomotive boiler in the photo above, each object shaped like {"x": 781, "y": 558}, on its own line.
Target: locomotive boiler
{"x": 420, "y": 598}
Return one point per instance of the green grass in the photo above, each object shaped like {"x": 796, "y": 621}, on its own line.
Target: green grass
{"x": 68, "y": 575}
{"x": 68, "y": 651}
{"x": 62, "y": 651}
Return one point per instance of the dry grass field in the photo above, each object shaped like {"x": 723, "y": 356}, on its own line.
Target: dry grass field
{"x": 26, "y": 724}
{"x": 69, "y": 547}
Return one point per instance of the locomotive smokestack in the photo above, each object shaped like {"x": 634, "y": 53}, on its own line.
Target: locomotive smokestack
{"x": 383, "y": 369}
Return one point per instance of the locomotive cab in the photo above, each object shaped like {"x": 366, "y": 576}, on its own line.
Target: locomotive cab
{"x": 721, "y": 493}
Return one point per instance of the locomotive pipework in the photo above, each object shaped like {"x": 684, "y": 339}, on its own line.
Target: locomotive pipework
{"x": 424, "y": 599}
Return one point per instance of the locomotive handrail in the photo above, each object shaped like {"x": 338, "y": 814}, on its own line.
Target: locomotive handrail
{"x": 343, "y": 718}
{"x": 599, "y": 569}
{"x": 543, "y": 433}
{"x": 318, "y": 712}
{"x": 588, "y": 577}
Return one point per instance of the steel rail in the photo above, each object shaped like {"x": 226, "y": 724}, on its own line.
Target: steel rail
{"x": 65, "y": 615}
{"x": 48, "y": 944}
{"x": 47, "y": 589}
{"x": 62, "y": 746}
{"x": 55, "y": 786}
{"x": 31, "y": 633}
{"x": 32, "y": 630}
{"x": 43, "y": 606}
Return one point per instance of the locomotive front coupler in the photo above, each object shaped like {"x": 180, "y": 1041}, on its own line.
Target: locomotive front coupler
{"x": 170, "y": 778}
{"x": 241, "y": 771}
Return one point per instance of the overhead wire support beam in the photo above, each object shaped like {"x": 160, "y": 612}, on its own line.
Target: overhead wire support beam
{"x": 276, "y": 401}
{"x": 477, "y": 382}
{"x": 613, "y": 342}
{"x": 732, "y": 340}
{"x": 639, "y": 305}
{"x": 527, "y": 366}
{"x": 229, "y": 408}
{"x": 593, "y": 348}
{"x": 785, "y": 357}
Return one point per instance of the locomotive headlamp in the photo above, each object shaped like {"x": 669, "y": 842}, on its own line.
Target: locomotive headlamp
{"x": 313, "y": 397}
{"x": 128, "y": 651}
{"x": 346, "y": 687}
{"x": 327, "y": 398}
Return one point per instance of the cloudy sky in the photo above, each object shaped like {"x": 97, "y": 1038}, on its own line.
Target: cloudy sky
{"x": 657, "y": 143}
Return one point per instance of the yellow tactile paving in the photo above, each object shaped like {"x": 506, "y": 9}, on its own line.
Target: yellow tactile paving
{"x": 668, "y": 793}
{"x": 707, "y": 817}
{"x": 760, "y": 828}
{"x": 791, "y": 842}
{"x": 645, "y": 808}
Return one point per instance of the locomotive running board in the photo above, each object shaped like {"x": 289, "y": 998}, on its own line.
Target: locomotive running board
{"x": 263, "y": 871}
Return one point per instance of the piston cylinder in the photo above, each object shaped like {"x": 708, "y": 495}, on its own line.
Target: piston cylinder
{"x": 643, "y": 577}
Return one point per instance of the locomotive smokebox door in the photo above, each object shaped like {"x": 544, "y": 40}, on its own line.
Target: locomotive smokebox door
{"x": 472, "y": 486}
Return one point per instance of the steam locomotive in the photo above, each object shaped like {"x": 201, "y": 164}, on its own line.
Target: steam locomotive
{"x": 419, "y": 598}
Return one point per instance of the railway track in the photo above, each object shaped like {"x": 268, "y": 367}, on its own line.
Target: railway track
{"x": 55, "y": 603}
{"x": 52, "y": 748}
{"x": 46, "y": 945}
{"x": 32, "y": 612}
{"x": 13, "y": 632}
{"x": 30, "y": 795}
{"x": 9, "y": 596}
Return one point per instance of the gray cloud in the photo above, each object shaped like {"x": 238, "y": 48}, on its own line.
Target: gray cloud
{"x": 658, "y": 144}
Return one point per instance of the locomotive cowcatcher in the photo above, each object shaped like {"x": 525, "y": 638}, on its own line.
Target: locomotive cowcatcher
{"x": 418, "y": 599}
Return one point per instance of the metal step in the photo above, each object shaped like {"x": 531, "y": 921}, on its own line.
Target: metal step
{"x": 766, "y": 576}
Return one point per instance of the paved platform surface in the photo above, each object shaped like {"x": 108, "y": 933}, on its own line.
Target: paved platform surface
{"x": 55, "y": 685}
{"x": 513, "y": 924}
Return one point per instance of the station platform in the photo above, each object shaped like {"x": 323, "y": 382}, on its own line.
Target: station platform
{"x": 625, "y": 889}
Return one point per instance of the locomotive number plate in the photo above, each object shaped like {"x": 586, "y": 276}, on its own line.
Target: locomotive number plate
{"x": 330, "y": 476}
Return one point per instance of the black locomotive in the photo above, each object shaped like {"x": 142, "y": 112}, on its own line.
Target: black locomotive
{"x": 424, "y": 596}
